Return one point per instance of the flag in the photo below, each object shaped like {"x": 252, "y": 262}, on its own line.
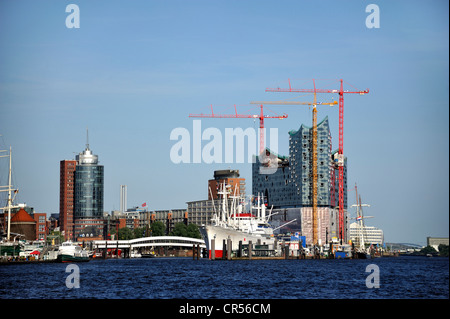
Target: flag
{"x": 358, "y": 218}
{"x": 144, "y": 205}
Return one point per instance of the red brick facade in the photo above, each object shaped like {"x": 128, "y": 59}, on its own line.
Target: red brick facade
{"x": 216, "y": 185}
{"x": 66, "y": 197}
{"x": 41, "y": 225}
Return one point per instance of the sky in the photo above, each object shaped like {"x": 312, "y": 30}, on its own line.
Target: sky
{"x": 134, "y": 70}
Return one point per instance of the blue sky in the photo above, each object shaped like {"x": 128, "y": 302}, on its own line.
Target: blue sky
{"x": 134, "y": 71}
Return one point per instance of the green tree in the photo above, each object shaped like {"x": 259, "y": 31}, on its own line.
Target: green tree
{"x": 56, "y": 237}
{"x": 428, "y": 250}
{"x": 158, "y": 229}
{"x": 193, "y": 231}
{"x": 125, "y": 233}
{"x": 139, "y": 232}
{"x": 180, "y": 229}
{"x": 443, "y": 250}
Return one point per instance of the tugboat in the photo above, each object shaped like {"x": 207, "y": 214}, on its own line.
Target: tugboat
{"x": 71, "y": 252}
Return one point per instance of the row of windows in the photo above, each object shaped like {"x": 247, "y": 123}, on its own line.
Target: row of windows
{"x": 172, "y": 241}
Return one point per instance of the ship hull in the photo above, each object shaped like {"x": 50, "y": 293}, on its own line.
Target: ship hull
{"x": 69, "y": 258}
{"x": 221, "y": 234}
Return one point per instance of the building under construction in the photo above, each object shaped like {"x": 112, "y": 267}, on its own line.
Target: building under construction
{"x": 290, "y": 189}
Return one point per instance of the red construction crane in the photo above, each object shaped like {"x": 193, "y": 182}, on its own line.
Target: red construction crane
{"x": 261, "y": 117}
{"x": 315, "y": 235}
{"x": 340, "y": 159}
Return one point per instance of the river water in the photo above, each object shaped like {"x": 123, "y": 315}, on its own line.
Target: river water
{"x": 180, "y": 278}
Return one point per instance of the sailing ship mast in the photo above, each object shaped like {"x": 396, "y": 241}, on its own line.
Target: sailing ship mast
{"x": 9, "y": 190}
{"x": 360, "y": 219}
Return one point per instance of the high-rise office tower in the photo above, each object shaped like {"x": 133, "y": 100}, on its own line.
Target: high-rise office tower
{"x": 88, "y": 199}
{"x": 81, "y": 197}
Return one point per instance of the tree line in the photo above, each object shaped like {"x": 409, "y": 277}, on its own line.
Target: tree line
{"x": 442, "y": 251}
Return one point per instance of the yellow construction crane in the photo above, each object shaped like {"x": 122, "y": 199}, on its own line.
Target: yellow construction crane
{"x": 314, "y": 151}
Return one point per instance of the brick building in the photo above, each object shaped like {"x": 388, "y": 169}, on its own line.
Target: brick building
{"x": 229, "y": 177}
{"x": 66, "y": 196}
{"x": 81, "y": 197}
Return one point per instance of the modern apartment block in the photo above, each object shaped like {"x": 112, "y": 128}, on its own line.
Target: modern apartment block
{"x": 169, "y": 217}
{"x": 371, "y": 235}
{"x": 201, "y": 212}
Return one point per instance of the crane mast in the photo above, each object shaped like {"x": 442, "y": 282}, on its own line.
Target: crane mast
{"x": 261, "y": 117}
{"x": 340, "y": 159}
{"x": 314, "y": 191}
{"x": 314, "y": 169}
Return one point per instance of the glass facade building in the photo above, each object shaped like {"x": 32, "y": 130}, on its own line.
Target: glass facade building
{"x": 81, "y": 197}
{"x": 88, "y": 191}
{"x": 291, "y": 184}
{"x": 290, "y": 188}
{"x": 88, "y": 196}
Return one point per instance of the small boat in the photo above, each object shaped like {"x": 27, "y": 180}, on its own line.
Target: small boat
{"x": 361, "y": 255}
{"x": 343, "y": 252}
{"x": 71, "y": 252}
{"x": 135, "y": 255}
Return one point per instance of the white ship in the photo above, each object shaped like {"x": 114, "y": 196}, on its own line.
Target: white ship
{"x": 235, "y": 224}
{"x": 72, "y": 252}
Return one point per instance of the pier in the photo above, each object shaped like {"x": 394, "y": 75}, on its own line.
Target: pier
{"x": 161, "y": 243}
{"x": 251, "y": 251}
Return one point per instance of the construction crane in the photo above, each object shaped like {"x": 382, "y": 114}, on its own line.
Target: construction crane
{"x": 314, "y": 152}
{"x": 340, "y": 155}
{"x": 261, "y": 117}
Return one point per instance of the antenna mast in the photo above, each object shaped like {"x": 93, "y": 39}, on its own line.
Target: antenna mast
{"x": 87, "y": 137}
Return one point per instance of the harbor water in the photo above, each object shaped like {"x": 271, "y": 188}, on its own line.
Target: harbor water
{"x": 184, "y": 278}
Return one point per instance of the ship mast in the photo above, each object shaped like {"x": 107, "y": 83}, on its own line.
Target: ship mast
{"x": 10, "y": 199}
